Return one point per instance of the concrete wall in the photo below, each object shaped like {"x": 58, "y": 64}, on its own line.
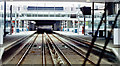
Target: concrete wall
{"x": 57, "y": 26}
{"x": 31, "y": 27}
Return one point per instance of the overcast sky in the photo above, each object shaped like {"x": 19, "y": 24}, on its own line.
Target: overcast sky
{"x": 39, "y": 3}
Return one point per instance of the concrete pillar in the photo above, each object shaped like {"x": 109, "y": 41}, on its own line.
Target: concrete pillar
{"x": 64, "y": 25}
{"x": 25, "y": 25}
{"x": 57, "y": 26}
{"x": 78, "y": 26}
{"x": 11, "y": 19}
{"x": 19, "y": 25}
{"x": 67, "y": 25}
{"x": 1, "y": 31}
{"x": 61, "y": 26}
{"x": 1, "y": 35}
{"x": 4, "y": 18}
{"x": 15, "y": 23}
{"x": 70, "y": 24}
{"x": 22, "y": 25}
{"x": 15, "y": 26}
{"x": 74, "y": 26}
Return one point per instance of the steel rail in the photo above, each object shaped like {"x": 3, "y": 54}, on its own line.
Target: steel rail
{"x": 50, "y": 51}
{"x": 54, "y": 53}
{"x": 43, "y": 51}
{"x": 85, "y": 43}
{"x": 26, "y": 52}
{"x": 95, "y": 48}
{"x": 73, "y": 48}
{"x": 68, "y": 62}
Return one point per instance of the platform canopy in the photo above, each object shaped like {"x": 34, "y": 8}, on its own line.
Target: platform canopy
{"x": 70, "y": 0}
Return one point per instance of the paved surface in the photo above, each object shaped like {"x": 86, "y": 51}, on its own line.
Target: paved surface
{"x": 10, "y": 39}
{"x": 99, "y": 41}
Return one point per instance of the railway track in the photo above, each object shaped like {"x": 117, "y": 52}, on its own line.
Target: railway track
{"x": 35, "y": 52}
{"x": 26, "y": 52}
{"x": 57, "y": 54}
{"x": 95, "y": 50}
{"x": 51, "y": 49}
{"x": 78, "y": 57}
{"x": 80, "y": 51}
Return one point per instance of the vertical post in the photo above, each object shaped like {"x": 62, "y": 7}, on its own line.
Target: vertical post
{"x": 78, "y": 23}
{"x": 61, "y": 25}
{"x": 67, "y": 25}
{"x": 19, "y": 25}
{"x": 84, "y": 24}
{"x": 4, "y": 18}
{"x": 10, "y": 19}
{"x": 92, "y": 19}
{"x": 1, "y": 31}
{"x": 24, "y": 25}
{"x": 1, "y": 35}
{"x": 105, "y": 20}
{"x": 64, "y": 25}
{"x": 15, "y": 22}
{"x": 28, "y": 26}
{"x": 73, "y": 26}
{"x": 78, "y": 26}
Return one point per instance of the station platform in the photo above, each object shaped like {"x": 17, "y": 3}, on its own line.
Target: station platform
{"x": 99, "y": 42}
{"x": 12, "y": 40}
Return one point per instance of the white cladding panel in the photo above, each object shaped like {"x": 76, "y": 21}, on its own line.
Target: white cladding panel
{"x": 117, "y": 36}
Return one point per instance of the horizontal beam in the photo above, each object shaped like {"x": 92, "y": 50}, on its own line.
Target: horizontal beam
{"x": 71, "y": 0}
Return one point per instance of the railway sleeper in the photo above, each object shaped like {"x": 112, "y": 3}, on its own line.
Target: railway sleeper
{"x": 55, "y": 55}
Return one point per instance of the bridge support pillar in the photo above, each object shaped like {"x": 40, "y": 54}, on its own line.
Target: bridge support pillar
{"x": 63, "y": 25}
{"x": 15, "y": 26}
{"x": 1, "y": 31}
{"x": 18, "y": 26}
{"x": 67, "y": 25}
{"x": 73, "y": 26}
{"x": 24, "y": 25}
{"x": 1, "y": 35}
{"x": 28, "y": 26}
{"x": 78, "y": 26}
